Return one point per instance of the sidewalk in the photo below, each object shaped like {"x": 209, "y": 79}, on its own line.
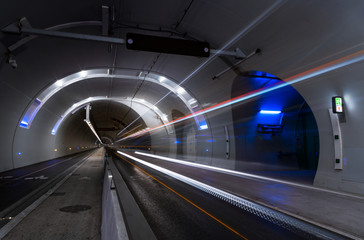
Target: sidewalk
{"x": 72, "y": 212}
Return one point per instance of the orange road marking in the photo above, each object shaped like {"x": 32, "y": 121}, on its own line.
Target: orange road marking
{"x": 187, "y": 200}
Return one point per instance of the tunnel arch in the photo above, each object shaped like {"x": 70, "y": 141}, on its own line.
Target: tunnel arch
{"x": 77, "y": 106}
{"x": 107, "y": 119}
{"x": 108, "y": 139}
{"x": 35, "y": 105}
{"x": 267, "y": 127}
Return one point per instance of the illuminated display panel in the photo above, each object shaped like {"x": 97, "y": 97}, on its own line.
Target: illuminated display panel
{"x": 337, "y": 104}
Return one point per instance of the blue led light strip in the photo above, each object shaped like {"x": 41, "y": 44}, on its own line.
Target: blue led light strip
{"x": 270, "y": 112}
{"x": 30, "y": 114}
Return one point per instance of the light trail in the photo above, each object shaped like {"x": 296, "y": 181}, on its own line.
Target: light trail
{"x": 247, "y": 175}
{"x": 325, "y": 68}
{"x": 173, "y": 174}
{"x": 265, "y": 14}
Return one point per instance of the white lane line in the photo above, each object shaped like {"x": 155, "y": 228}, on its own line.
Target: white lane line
{"x": 68, "y": 159}
{"x": 233, "y": 199}
{"x": 6, "y": 177}
{"x": 249, "y": 175}
{"x": 36, "y": 178}
{"x": 18, "y": 218}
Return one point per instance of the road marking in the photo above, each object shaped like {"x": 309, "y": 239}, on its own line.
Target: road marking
{"x": 18, "y": 218}
{"x": 248, "y": 175}
{"x": 6, "y": 177}
{"x": 84, "y": 178}
{"x": 187, "y": 200}
{"x": 68, "y": 159}
{"x": 36, "y": 178}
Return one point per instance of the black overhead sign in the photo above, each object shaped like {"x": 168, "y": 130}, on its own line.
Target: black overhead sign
{"x": 167, "y": 45}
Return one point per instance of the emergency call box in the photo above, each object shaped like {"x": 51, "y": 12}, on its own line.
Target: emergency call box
{"x": 337, "y": 104}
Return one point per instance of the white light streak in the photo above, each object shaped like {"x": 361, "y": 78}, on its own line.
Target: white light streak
{"x": 339, "y": 63}
{"x": 93, "y": 129}
{"x": 243, "y": 174}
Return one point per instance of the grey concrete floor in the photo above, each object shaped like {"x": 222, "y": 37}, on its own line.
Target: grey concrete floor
{"x": 72, "y": 212}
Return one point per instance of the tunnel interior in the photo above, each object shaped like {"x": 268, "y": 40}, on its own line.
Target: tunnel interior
{"x": 269, "y": 109}
{"x": 315, "y": 59}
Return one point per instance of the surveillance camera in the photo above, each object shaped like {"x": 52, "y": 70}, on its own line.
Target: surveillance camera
{"x": 13, "y": 63}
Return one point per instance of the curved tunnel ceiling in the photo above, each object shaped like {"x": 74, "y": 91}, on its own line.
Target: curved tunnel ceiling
{"x": 142, "y": 108}
{"x": 190, "y": 102}
{"x": 182, "y": 93}
{"x": 288, "y": 48}
{"x": 110, "y": 117}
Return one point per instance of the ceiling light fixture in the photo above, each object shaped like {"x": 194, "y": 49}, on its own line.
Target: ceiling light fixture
{"x": 58, "y": 85}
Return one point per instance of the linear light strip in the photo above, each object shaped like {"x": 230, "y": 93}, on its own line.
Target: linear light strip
{"x": 92, "y": 129}
{"x": 270, "y": 112}
{"x": 255, "y": 22}
{"x": 243, "y": 174}
{"x": 258, "y": 210}
{"x": 30, "y": 114}
{"x": 58, "y": 85}
{"x": 55, "y": 128}
{"x": 80, "y": 104}
{"x": 328, "y": 67}
{"x": 270, "y": 10}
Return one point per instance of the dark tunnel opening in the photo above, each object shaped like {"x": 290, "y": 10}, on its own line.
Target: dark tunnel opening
{"x": 276, "y": 133}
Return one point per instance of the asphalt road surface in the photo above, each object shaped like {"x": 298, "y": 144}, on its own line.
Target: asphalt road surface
{"x": 176, "y": 210}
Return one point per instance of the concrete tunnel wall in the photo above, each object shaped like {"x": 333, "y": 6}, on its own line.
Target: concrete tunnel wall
{"x": 17, "y": 91}
{"x": 346, "y": 82}
{"x": 301, "y": 49}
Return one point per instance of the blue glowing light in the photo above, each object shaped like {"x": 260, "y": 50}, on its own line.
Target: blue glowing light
{"x": 23, "y": 124}
{"x": 55, "y": 128}
{"x": 177, "y": 142}
{"x": 345, "y": 161}
{"x": 207, "y": 149}
{"x": 270, "y": 112}
{"x": 328, "y": 67}
{"x": 210, "y": 140}
{"x": 273, "y": 117}
{"x": 19, "y": 153}
{"x": 203, "y": 126}
{"x": 30, "y": 114}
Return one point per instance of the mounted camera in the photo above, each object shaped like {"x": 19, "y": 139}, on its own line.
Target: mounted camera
{"x": 12, "y": 62}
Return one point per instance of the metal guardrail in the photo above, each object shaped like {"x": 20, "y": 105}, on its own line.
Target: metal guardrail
{"x": 112, "y": 222}
{"x": 136, "y": 226}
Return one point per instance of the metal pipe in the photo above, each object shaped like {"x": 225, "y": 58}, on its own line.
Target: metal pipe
{"x": 41, "y": 32}
{"x": 237, "y": 53}
{"x": 26, "y": 39}
{"x": 235, "y": 64}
